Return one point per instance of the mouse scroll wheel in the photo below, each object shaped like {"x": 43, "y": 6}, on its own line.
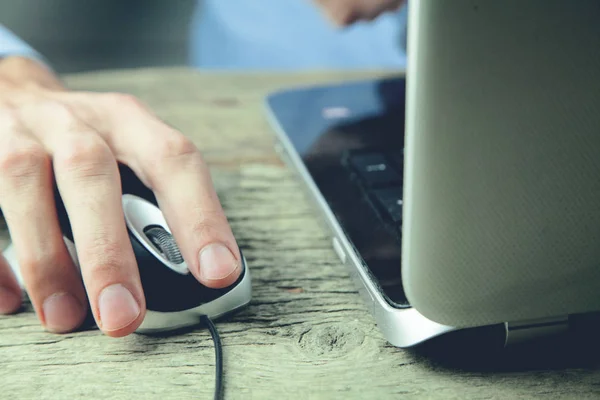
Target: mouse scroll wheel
{"x": 164, "y": 242}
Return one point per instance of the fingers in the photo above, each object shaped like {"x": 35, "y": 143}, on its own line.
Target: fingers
{"x": 347, "y": 12}
{"x": 10, "y": 292}
{"x": 172, "y": 166}
{"x": 84, "y": 133}
{"x": 27, "y": 203}
{"x": 87, "y": 177}
{"x": 184, "y": 189}
{"x": 340, "y": 13}
{"x": 76, "y": 140}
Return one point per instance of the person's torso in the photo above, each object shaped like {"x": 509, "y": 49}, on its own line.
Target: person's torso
{"x": 291, "y": 35}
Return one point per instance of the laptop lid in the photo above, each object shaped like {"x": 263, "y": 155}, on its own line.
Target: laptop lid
{"x": 501, "y": 215}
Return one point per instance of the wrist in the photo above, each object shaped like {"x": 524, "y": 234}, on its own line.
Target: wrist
{"x": 24, "y": 73}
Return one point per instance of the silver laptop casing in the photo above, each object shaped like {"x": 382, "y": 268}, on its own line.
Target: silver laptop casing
{"x": 501, "y": 222}
{"x": 502, "y": 169}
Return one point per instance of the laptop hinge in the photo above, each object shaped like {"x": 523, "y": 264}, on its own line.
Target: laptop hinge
{"x": 521, "y": 331}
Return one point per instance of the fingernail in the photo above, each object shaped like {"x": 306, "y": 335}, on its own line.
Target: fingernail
{"x": 216, "y": 262}
{"x": 9, "y": 301}
{"x": 62, "y": 312}
{"x": 118, "y": 308}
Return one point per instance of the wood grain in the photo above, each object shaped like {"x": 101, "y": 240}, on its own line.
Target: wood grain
{"x": 306, "y": 334}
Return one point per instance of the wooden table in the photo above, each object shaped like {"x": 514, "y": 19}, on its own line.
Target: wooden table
{"x": 306, "y": 334}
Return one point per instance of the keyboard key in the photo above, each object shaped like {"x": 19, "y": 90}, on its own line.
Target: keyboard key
{"x": 397, "y": 159}
{"x": 374, "y": 169}
{"x": 390, "y": 201}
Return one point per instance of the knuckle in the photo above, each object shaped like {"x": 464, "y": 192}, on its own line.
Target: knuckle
{"x": 34, "y": 263}
{"x": 22, "y": 159}
{"x": 176, "y": 146}
{"x": 123, "y": 101}
{"x": 105, "y": 257}
{"x": 53, "y": 113}
{"x": 173, "y": 152}
{"x": 85, "y": 154}
{"x": 209, "y": 226}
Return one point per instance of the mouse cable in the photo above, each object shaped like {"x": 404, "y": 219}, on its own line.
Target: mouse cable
{"x": 218, "y": 356}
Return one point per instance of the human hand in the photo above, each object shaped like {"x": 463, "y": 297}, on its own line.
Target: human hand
{"x": 50, "y": 134}
{"x": 347, "y": 12}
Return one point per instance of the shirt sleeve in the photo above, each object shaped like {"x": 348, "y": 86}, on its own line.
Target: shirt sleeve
{"x": 12, "y": 45}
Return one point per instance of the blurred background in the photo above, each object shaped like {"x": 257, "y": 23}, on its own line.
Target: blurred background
{"x": 82, "y": 35}
{"x": 79, "y": 35}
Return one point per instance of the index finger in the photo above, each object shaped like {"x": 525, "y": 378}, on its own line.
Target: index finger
{"x": 87, "y": 178}
{"x": 173, "y": 168}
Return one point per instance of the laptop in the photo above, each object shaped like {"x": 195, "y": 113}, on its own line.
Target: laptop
{"x": 464, "y": 193}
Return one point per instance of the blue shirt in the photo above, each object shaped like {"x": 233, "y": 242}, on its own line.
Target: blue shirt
{"x": 277, "y": 35}
{"x": 291, "y": 35}
{"x": 10, "y": 44}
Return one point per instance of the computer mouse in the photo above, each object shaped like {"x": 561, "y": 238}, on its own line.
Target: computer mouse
{"x": 174, "y": 297}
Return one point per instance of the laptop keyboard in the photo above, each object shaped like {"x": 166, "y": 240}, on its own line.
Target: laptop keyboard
{"x": 375, "y": 169}
{"x": 390, "y": 202}
{"x": 379, "y": 174}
